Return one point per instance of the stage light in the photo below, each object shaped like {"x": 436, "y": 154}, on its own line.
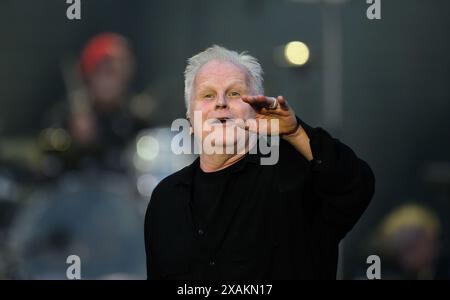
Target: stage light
{"x": 60, "y": 139}
{"x": 145, "y": 184}
{"x": 147, "y": 148}
{"x": 54, "y": 139}
{"x": 296, "y": 53}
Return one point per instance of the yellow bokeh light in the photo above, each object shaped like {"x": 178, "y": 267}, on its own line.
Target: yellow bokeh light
{"x": 296, "y": 53}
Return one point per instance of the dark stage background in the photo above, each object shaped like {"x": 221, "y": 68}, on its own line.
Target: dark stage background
{"x": 381, "y": 86}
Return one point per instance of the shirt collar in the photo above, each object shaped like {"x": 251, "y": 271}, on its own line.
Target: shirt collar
{"x": 186, "y": 175}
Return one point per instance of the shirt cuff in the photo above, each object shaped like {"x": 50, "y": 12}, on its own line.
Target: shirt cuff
{"x": 323, "y": 148}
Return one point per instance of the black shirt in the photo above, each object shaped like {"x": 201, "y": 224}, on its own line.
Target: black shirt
{"x": 281, "y": 221}
{"x": 208, "y": 193}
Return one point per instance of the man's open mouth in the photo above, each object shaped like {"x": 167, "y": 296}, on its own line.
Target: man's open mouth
{"x": 223, "y": 121}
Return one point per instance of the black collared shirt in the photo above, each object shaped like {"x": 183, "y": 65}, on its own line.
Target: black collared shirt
{"x": 210, "y": 200}
{"x": 209, "y": 197}
{"x": 281, "y": 221}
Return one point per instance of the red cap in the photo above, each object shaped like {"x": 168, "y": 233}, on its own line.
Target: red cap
{"x": 97, "y": 49}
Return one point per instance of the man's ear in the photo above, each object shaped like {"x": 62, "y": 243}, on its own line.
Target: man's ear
{"x": 189, "y": 119}
{"x": 191, "y": 129}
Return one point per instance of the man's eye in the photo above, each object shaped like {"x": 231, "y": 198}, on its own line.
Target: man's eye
{"x": 235, "y": 94}
{"x": 208, "y": 96}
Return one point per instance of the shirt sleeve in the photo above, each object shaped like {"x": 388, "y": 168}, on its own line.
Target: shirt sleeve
{"x": 341, "y": 183}
{"x": 152, "y": 270}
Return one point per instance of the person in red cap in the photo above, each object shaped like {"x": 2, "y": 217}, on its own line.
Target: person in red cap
{"x": 107, "y": 66}
{"x": 98, "y": 117}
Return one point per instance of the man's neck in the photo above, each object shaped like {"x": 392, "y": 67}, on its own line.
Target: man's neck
{"x": 216, "y": 162}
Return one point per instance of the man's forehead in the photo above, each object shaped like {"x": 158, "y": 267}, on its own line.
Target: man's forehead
{"x": 222, "y": 71}
{"x": 211, "y": 82}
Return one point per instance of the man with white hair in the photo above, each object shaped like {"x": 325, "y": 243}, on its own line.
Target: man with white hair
{"x": 227, "y": 216}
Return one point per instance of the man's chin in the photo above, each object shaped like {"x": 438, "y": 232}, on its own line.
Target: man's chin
{"x": 224, "y": 143}
{"x": 231, "y": 146}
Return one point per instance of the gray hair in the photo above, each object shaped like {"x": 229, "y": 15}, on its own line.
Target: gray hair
{"x": 215, "y": 52}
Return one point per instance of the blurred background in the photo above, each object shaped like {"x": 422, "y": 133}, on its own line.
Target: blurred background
{"x": 86, "y": 107}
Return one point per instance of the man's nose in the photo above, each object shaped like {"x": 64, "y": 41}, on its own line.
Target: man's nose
{"x": 221, "y": 102}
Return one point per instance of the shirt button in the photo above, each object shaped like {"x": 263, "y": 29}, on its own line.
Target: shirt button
{"x": 212, "y": 263}
{"x": 316, "y": 164}
{"x": 200, "y": 232}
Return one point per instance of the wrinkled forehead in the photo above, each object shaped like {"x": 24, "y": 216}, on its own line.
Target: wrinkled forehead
{"x": 221, "y": 73}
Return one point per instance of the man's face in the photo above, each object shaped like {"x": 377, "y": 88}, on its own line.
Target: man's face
{"x": 217, "y": 92}
{"x": 110, "y": 80}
